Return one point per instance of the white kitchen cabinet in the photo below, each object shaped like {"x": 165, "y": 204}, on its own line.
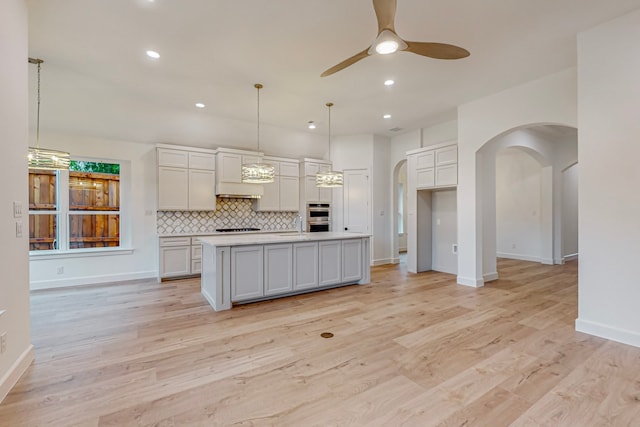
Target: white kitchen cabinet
{"x": 330, "y": 262}
{"x": 229, "y": 167}
{"x": 247, "y": 272}
{"x": 278, "y": 261}
{"x": 434, "y": 167}
{"x": 173, "y": 188}
{"x": 289, "y": 193}
{"x": 314, "y": 194}
{"x": 175, "y": 257}
{"x": 196, "y": 256}
{"x": 351, "y": 260}
{"x": 186, "y": 179}
{"x": 284, "y": 193}
{"x": 309, "y": 193}
{"x": 202, "y": 190}
{"x": 305, "y": 265}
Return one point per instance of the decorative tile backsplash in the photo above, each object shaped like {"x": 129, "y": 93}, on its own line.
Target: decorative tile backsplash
{"x": 229, "y": 213}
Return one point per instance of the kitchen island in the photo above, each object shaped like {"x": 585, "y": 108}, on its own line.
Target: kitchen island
{"x": 253, "y": 267}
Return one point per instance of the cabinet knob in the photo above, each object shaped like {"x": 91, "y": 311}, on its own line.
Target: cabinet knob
{"x": 346, "y": 228}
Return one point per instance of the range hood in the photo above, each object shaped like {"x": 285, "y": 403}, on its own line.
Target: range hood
{"x": 239, "y": 191}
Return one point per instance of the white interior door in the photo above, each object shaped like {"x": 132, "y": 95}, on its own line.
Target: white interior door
{"x": 356, "y": 201}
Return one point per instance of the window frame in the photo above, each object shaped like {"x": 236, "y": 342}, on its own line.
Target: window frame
{"x": 63, "y": 216}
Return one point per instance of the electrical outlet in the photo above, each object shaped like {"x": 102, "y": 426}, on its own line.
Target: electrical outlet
{"x": 18, "y": 228}
{"x": 454, "y": 248}
{"x": 513, "y": 246}
{"x": 3, "y": 342}
{"x": 60, "y": 270}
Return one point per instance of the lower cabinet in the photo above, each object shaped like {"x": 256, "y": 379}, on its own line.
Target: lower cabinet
{"x": 305, "y": 265}
{"x": 330, "y": 262}
{"x": 351, "y": 260}
{"x": 175, "y": 256}
{"x": 247, "y": 272}
{"x": 196, "y": 256}
{"x": 278, "y": 269}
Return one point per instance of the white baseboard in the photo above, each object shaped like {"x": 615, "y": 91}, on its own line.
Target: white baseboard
{"x": 569, "y": 257}
{"x": 518, "y": 257}
{"x": 383, "y": 261}
{"x": 395, "y": 261}
{"x": 466, "y": 281}
{"x": 91, "y": 280}
{"x": 443, "y": 269}
{"x": 14, "y": 373}
{"x": 546, "y": 261}
{"x": 488, "y": 277}
{"x": 608, "y": 332}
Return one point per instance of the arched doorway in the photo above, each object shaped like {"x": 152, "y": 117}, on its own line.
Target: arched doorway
{"x": 553, "y": 148}
{"x": 398, "y": 231}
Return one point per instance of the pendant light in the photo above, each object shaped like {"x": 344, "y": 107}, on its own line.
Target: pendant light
{"x": 329, "y": 179}
{"x": 258, "y": 173}
{"x": 44, "y": 158}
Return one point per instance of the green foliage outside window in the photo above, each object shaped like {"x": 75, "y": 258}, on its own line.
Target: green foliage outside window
{"x": 80, "y": 166}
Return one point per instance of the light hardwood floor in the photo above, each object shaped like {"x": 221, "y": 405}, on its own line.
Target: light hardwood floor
{"x": 408, "y": 349}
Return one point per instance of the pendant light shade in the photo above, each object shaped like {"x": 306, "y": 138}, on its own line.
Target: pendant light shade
{"x": 258, "y": 173}
{"x": 329, "y": 179}
{"x": 44, "y": 158}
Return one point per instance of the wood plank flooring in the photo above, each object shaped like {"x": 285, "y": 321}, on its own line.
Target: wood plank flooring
{"x": 414, "y": 350}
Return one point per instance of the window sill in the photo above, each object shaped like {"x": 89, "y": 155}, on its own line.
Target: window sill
{"x": 78, "y": 253}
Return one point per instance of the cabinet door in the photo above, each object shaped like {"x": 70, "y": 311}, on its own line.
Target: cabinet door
{"x": 330, "y": 262}
{"x": 425, "y": 160}
{"x": 246, "y": 272}
{"x": 289, "y": 169}
{"x": 173, "y": 188}
{"x": 289, "y": 193}
{"x": 229, "y": 167}
{"x": 175, "y": 261}
{"x": 278, "y": 268}
{"x": 204, "y": 161}
{"x": 202, "y": 190}
{"x": 305, "y": 265}
{"x": 173, "y": 158}
{"x": 446, "y": 155}
{"x": 447, "y": 175}
{"x": 270, "y": 200}
{"x": 311, "y": 193}
{"x": 425, "y": 178}
{"x": 325, "y": 195}
{"x": 351, "y": 260}
{"x": 251, "y": 159}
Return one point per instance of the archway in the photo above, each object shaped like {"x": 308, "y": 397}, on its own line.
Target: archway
{"x": 554, "y": 148}
{"x": 398, "y": 231}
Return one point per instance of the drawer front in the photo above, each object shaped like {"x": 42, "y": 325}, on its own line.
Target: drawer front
{"x": 196, "y": 266}
{"x": 175, "y": 241}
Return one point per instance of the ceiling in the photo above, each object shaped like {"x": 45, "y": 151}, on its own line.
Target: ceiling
{"x": 97, "y": 80}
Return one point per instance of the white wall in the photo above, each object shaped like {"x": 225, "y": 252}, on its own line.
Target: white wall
{"x": 14, "y": 286}
{"x": 138, "y": 221}
{"x": 549, "y": 100}
{"x": 518, "y": 203}
{"x": 570, "y": 212}
{"x": 609, "y": 200}
{"x": 401, "y": 180}
{"x": 382, "y": 214}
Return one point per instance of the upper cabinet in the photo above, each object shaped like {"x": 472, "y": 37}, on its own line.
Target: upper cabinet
{"x": 229, "y": 172}
{"x": 309, "y": 193}
{"x": 434, "y": 166}
{"x": 186, "y": 178}
{"x": 283, "y": 193}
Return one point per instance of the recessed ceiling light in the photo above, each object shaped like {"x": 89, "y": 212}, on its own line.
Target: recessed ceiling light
{"x": 200, "y": 105}
{"x": 387, "y": 116}
{"x": 312, "y": 125}
{"x": 389, "y": 82}
{"x": 153, "y": 54}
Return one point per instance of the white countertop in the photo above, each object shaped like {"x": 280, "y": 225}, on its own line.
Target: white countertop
{"x": 218, "y": 233}
{"x": 225, "y": 239}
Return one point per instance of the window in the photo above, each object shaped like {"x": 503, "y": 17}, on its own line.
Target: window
{"x": 75, "y": 209}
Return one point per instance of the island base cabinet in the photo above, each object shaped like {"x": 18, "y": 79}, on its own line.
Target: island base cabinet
{"x": 247, "y": 272}
{"x": 305, "y": 265}
{"x": 352, "y": 260}
{"x": 278, "y": 268}
{"x": 330, "y": 262}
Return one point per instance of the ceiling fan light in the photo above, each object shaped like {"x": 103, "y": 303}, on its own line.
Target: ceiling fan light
{"x": 387, "y": 47}
{"x": 387, "y": 42}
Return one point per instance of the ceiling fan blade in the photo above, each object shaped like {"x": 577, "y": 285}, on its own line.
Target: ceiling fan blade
{"x": 344, "y": 64}
{"x": 386, "y": 14}
{"x": 437, "y": 50}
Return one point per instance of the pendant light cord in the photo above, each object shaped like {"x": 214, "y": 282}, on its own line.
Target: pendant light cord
{"x": 258, "y": 86}
{"x": 329, "y": 104}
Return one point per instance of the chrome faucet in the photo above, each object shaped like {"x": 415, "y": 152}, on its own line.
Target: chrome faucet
{"x": 298, "y": 220}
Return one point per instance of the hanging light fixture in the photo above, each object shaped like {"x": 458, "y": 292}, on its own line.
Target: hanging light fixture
{"x": 329, "y": 179}
{"x": 44, "y": 158}
{"x": 258, "y": 173}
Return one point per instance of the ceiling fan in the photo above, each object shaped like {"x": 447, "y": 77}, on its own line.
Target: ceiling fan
{"x": 389, "y": 42}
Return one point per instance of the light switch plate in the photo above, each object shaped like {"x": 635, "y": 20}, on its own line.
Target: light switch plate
{"x": 17, "y": 209}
